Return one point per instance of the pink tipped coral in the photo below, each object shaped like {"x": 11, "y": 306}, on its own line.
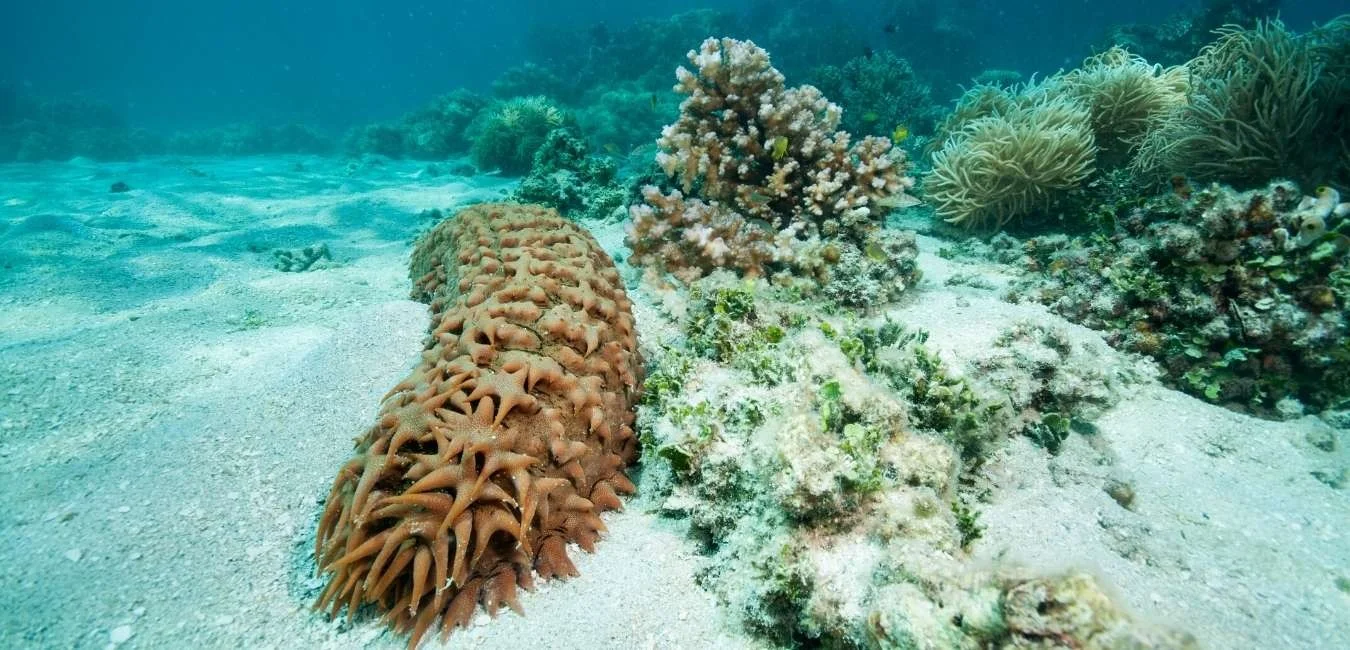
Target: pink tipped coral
{"x": 761, "y": 166}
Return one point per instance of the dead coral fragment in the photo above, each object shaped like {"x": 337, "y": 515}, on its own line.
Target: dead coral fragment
{"x": 505, "y": 442}
{"x": 1073, "y": 611}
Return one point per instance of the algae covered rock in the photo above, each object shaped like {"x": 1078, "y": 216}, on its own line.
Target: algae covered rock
{"x": 827, "y": 467}
{"x": 1241, "y": 296}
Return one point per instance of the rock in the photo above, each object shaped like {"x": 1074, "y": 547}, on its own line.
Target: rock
{"x": 1122, "y": 492}
{"x": 1289, "y": 408}
{"x": 119, "y": 187}
{"x": 120, "y": 634}
{"x": 1320, "y": 435}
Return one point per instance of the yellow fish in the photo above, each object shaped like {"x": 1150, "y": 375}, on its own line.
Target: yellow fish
{"x": 900, "y": 134}
{"x": 780, "y": 146}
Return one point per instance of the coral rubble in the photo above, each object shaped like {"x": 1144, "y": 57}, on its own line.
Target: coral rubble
{"x": 505, "y": 442}
{"x": 308, "y": 258}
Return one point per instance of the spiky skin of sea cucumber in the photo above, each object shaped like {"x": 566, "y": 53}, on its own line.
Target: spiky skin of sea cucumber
{"x": 507, "y": 440}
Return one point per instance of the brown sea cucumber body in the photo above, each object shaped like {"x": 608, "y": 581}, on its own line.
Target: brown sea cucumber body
{"x": 508, "y": 438}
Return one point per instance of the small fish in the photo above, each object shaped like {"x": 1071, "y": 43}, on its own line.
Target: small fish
{"x": 1181, "y": 187}
{"x": 653, "y": 102}
{"x": 780, "y": 147}
{"x": 868, "y": 52}
{"x": 875, "y": 251}
{"x": 897, "y": 201}
{"x": 611, "y": 148}
{"x": 889, "y": 28}
{"x": 900, "y": 134}
{"x": 870, "y": 117}
{"x": 756, "y": 197}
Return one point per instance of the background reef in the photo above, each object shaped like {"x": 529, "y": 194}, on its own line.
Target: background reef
{"x": 959, "y": 329}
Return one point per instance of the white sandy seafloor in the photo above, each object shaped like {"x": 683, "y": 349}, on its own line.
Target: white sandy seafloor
{"x": 172, "y": 409}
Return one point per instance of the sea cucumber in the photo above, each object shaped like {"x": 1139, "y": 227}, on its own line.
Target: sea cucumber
{"x": 508, "y": 438}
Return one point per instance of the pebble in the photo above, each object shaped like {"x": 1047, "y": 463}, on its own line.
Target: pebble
{"x": 120, "y": 634}
{"x": 74, "y": 555}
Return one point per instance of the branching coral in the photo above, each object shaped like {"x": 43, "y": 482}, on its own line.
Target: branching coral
{"x": 692, "y": 237}
{"x": 765, "y": 163}
{"x": 998, "y": 167}
{"x": 508, "y": 438}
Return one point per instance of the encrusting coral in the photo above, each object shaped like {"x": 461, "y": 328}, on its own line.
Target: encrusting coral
{"x": 505, "y": 442}
{"x": 761, "y": 168}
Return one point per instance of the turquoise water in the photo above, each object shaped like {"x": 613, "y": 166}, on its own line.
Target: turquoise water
{"x": 876, "y": 325}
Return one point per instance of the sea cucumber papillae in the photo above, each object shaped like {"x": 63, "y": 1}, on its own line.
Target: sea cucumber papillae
{"x": 508, "y": 438}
